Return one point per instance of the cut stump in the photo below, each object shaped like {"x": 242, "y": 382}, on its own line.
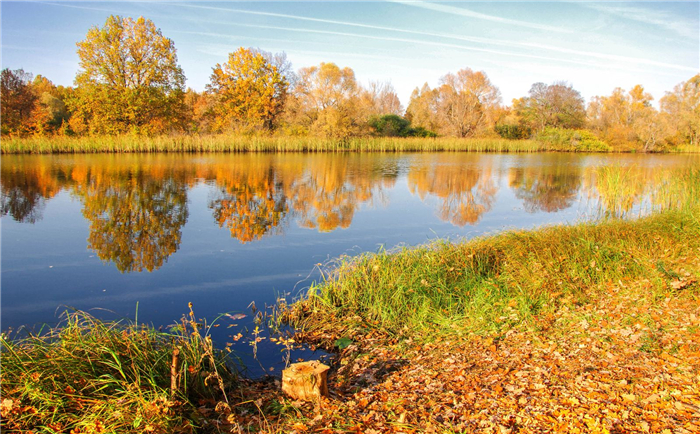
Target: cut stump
{"x": 306, "y": 380}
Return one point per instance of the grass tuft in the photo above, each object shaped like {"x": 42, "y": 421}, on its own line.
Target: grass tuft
{"x": 87, "y": 375}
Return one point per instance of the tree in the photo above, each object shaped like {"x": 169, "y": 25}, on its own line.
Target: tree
{"x": 683, "y": 109}
{"x": 628, "y": 120}
{"x": 466, "y": 101}
{"x": 251, "y": 92}
{"x": 51, "y": 112}
{"x": 390, "y": 126}
{"x": 422, "y": 108}
{"x": 555, "y": 105}
{"x": 129, "y": 79}
{"x": 380, "y": 98}
{"x": 17, "y": 101}
{"x": 327, "y": 101}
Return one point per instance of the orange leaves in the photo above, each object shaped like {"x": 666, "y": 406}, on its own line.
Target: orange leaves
{"x": 251, "y": 92}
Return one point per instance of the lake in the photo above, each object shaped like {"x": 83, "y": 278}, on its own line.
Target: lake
{"x": 127, "y": 235}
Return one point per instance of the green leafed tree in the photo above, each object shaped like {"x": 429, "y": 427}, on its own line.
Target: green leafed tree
{"x": 250, "y": 92}
{"x": 129, "y": 80}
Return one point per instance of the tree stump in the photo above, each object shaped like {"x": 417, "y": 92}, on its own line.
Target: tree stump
{"x": 306, "y": 380}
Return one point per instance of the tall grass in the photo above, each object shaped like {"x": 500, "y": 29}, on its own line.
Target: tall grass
{"x": 229, "y": 143}
{"x": 92, "y": 376}
{"x": 517, "y": 277}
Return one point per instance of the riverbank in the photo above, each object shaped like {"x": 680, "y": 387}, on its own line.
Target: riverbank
{"x": 586, "y": 328}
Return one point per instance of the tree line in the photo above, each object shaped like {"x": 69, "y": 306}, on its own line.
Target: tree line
{"x": 129, "y": 82}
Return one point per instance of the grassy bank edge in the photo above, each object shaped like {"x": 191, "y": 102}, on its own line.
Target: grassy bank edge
{"x": 88, "y": 375}
{"x": 491, "y": 284}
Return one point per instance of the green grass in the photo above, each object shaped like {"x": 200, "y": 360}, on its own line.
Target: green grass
{"x": 493, "y": 283}
{"x": 228, "y": 143}
{"x": 92, "y": 376}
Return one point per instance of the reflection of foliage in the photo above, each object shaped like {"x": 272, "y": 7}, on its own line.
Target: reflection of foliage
{"x": 25, "y": 191}
{"x": 135, "y": 223}
{"x": 332, "y": 189}
{"x": 466, "y": 193}
{"x": 549, "y": 188}
{"x": 249, "y": 212}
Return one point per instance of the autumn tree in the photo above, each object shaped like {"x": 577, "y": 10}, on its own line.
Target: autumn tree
{"x": 18, "y": 101}
{"x": 422, "y": 110}
{"x": 466, "y": 102}
{"x": 129, "y": 80}
{"x": 682, "y": 107}
{"x": 326, "y": 101}
{"x": 627, "y": 120}
{"x": 51, "y": 114}
{"x": 250, "y": 92}
{"x": 379, "y": 98}
{"x": 200, "y": 109}
{"x": 556, "y": 105}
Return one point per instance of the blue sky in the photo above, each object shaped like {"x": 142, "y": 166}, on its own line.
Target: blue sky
{"x": 594, "y": 46}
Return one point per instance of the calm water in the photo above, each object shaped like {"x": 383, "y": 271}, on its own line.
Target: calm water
{"x": 105, "y": 232}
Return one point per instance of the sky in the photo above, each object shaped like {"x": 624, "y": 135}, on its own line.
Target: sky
{"x": 594, "y": 46}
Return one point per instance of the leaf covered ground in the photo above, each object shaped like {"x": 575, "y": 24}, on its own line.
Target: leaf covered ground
{"x": 629, "y": 362}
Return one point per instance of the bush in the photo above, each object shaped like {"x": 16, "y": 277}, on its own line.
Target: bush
{"x": 421, "y": 132}
{"x": 390, "y": 125}
{"x": 561, "y": 139}
{"x": 513, "y": 132}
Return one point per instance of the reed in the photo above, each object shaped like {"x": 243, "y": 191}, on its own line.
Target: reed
{"x": 233, "y": 143}
{"x": 88, "y": 375}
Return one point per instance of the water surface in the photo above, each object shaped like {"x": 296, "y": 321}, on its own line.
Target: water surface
{"x": 105, "y": 232}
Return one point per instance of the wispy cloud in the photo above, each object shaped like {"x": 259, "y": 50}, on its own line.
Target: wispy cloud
{"x": 484, "y": 41}
{"x": 452, "y": 10}
{"x": 660, "y": 19}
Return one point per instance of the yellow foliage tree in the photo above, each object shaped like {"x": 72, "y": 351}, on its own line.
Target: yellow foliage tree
{"x": 683, "y": 109}
{"x": 327, "y": 99}
{"x": 129, "y": 80}
{"x": 251, "y": 92}
{"x": 467, "y": 102}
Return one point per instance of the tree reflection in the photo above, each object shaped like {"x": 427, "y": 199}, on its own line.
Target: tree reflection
{"x": 318, "y": 192}
{"x": 331, "y": 190}
{"x": 250, "y": 204}
{"x": 548, "y": 188}
{"x": 135, "y": 219}
{"x": 465, "y": 192}
{"x": 25, "y": 191}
